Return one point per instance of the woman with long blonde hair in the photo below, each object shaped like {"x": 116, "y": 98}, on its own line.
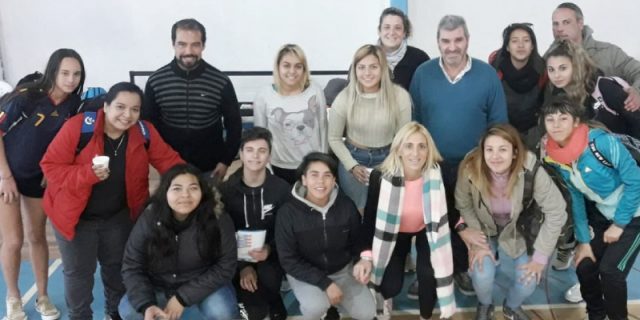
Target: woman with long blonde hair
{"x": 367, "y": 113}
{"x": 293, "y": 108}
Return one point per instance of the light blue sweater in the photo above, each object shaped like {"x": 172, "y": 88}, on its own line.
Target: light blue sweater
{"x": 457, "y": 114}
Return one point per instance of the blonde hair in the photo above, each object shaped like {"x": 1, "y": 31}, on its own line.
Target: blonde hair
{"x": 474, "y": 166}
{"x": 386, "y": 95}
{"x": 295, "y": 50}
{"x": 583, "y": 70}
{"x": 393, "y": 164}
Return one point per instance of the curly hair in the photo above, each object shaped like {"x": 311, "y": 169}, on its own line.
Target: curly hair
{"x": 583, "y": 77}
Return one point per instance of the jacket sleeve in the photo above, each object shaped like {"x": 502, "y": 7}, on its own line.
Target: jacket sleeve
{"x": 548, "y": 197}
{"x": 625, "y": 66}
{"x": 496, "y": 103}
{"x": 321, "y": 104}
{"x": 629, "y": 173}
{"x": 355, "y": 222}
{"x": 161, "y": 155}
{"x": 220, "y": 273}
{"x": 290, "y": 259}
{"x": 370, "y": 211}
{"x": 136, "y": 279}
{"x": 58, "y": 161}
{"x": 12, "y": 111}
{"x": 337, "y": 124}
{"x": 464, "y": 203}
{"x": 614, "y": 95}
{"x": 232, "y": 122}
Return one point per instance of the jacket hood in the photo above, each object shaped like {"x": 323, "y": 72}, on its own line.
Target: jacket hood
{"x": 586, "y": 33}
{"x": 299, "y": 192}
{"x": 236, "y": 183}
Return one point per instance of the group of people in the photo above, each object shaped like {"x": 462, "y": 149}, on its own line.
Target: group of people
{"x": 439, "y": 154}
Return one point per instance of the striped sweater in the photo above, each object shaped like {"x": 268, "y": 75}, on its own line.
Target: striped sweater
{"x": 190, "y": 110}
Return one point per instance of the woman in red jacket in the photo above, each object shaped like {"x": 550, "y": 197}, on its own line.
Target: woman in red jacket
{"x": 92, "y": 206}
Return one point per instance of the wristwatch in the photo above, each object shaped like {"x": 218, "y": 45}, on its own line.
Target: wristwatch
{"x": 461, "y": 227}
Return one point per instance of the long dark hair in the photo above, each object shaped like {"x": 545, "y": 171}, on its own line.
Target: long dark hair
{"x": 43, "y": 85}
{"x": 161, "y": 243}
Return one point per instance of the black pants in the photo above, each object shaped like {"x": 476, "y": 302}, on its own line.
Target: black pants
{"x": 603, "y": 284}
{"x": 95, "y": 241}
{"x": 267, "y": 298}
{"x": 394, "y": 272}
{"x": 460, "y": 251}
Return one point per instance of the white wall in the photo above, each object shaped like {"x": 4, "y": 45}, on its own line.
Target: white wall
{"x": 617, "y": 22}
{"x": 116, "y": 36}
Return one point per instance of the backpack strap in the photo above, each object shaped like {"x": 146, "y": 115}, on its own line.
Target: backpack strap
{"x": 529, "y": 176}
{"x": 598, "y": 155}
{"x": 86, "y": 131}
{"x": 89, "y": 126}
{"x": 145, "y": 133}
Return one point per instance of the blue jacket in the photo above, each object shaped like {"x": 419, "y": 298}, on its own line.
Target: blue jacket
{"x": 616, "y": 190}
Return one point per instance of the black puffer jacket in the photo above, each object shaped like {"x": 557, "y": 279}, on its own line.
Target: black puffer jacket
{"x": 315, "y": 242}
{"x": 184, "y": 274}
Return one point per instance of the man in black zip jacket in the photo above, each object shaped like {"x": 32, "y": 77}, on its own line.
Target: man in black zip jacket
{"x": 316, "y": 234}
{"x": 191, "y": 103}
{"x": 252, "y": 196}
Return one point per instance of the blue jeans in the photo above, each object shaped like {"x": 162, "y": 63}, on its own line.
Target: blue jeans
{"x": 366, "y": 157}
{"x": 483, "y": 280}
{"x": 220, "y": 305}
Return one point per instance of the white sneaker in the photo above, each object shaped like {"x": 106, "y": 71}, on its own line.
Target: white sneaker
{"x": 14, "y": 309}
{"x": 46, "y": 309}
{"x": 383, "y": 307}
{"x": 573, "y": 294}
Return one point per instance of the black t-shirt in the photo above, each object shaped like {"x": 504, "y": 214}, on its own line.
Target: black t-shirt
{"x": 109, "y": 197}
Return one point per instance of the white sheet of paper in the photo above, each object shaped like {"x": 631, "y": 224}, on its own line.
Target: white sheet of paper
{"x": 248, "y": 240}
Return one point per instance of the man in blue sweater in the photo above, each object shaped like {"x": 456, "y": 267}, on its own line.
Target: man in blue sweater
{"x": 456, "y": 98}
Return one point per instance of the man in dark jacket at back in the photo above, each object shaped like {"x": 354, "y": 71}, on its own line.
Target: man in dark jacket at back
{"x": 191, "y": 103}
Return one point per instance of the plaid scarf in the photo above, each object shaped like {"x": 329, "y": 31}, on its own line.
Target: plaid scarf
{"x": 388, "y": 217}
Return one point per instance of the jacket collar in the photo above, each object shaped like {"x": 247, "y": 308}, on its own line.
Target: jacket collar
{"x": 191, "y": 74}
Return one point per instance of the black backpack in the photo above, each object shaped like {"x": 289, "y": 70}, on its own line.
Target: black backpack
{"x": 531, "y": 218}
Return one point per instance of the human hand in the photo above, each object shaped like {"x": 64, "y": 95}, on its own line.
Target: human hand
{"x": 334, "y": 293}
{"x": 8, "y": 189}
{"x": 173, "y": 309}
{"x": 612, "y": 234}
{"x": 154, "y": 313}
{"x": 219, "y": 172}
{"x": 249, "y": 279}
{"x": 260, "y": 254}
{"x": 362, "y": 271}
{"x": 474, "y": 238}
{"x": 532, "y": 271}
{"x": 361, "y": 174}
{"x": 101, "y": 171}
{"x": 584, "y": 251}
{"x": 477, "y": 255}
{"x": 632, "y": 102}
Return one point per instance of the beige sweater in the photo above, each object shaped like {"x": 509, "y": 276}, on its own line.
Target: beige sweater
{"x": 372, "y": 127}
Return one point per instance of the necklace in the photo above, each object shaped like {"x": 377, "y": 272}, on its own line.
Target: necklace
{"x": 115, "y": 150}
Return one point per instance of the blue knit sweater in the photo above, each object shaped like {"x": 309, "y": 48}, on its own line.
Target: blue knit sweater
{"x": 457, "y": 114}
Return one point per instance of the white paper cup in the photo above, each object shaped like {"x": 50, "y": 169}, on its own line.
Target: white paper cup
{"x": 101, "y": 161}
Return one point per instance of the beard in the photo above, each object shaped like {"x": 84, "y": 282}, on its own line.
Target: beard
{"x": 188, "y": 64}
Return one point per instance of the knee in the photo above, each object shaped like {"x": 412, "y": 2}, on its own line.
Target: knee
{"x": 314, "y": 310}
{"x": 36, "y": 238}
{"x": 363, "y": 311}
{"x": 220, "y": 305}
{"x": 12, "y": 243}
{"x": 486, "y": 273}
{"x": 586, "y": 267}
{"x": 126, "y": 311}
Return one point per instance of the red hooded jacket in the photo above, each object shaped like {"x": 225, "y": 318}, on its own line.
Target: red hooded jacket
{"x": 70, "y": 178}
